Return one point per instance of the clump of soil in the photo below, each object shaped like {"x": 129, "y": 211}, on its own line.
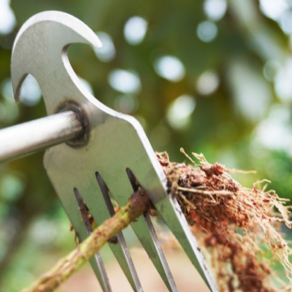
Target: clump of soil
{"x": 238, "y": 226}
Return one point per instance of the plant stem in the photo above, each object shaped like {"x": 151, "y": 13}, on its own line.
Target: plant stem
{"x": 137, "y": 205}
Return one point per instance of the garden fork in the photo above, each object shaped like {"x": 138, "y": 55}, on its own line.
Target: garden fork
{"x": 105, "y": 156}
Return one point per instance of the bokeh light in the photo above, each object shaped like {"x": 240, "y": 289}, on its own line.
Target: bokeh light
{"x": 275, "y": 132}
{"x": 30, "y": 93}
{"x": 273, "y": 9}
{"x": 126, "y": 104}
{"x": 170, "y": 68}
{"x": 207, "y": 82}
{"x": 215, "y": 9}
{"x": 283, "y": 85}
{"x": 124, "y": 81}
{"x": 207, "y": 31}
{"x": 286, "y": 21}
{"x": 135, "y": 30}
{"x": 43, "y": 232}
{"x": 252, "y": 95}
{"x": 180, "y": 110}
{"x": 7, "y": 17}
{"x": 11, "y": 187}
{"x": 107, "y": 51}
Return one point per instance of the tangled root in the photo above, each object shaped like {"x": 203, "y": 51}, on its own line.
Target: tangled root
{"x": 238, "y": 226}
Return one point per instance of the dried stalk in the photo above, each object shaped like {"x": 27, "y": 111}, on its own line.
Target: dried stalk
{"x": 137, "y": 205}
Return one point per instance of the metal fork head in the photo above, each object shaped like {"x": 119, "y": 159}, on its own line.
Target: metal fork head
{"x": 114, "y": 143}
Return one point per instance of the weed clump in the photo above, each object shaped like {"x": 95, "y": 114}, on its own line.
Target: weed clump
{"x": 237, "y": 226}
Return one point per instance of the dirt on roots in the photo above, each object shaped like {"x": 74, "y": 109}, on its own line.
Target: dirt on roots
{"x": 237, "y": 228}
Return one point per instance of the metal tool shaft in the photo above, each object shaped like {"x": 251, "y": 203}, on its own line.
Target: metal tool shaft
{"x": 26, "y": 138}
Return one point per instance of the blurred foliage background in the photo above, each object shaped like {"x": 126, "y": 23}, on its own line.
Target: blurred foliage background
{"x": 212, "y": 76}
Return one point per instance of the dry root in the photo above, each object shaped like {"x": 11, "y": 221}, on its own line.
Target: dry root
{"x": 237, "y": 225}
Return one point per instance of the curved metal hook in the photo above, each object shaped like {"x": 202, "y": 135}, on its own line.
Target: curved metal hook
{"x": 40, "y": 49}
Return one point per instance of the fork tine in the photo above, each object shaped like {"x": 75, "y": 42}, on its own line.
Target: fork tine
{"x": 72, "y": 211}
{"x": 96, "y": 204}
{"x": 83, "y": 211}
{"x": 123, "y": 257}
{"x": 176, "y": 222}
{"x": 182, "y": 232}
{"x": 102, "y": 272}
{"x": 166, "y": 273}
{"x": 142, "y": 232}
{"x": 160, "y": 253}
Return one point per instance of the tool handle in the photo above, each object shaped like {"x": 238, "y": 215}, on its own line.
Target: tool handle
{"x": 33, "y": 136}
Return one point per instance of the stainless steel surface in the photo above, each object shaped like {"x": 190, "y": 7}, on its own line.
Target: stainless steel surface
{"x": 120, "y": 249}
{"x": 160, "y": 262}
{"x": 171, "y": 284}
{"x": 104, "y": 282}
{"x": 102, "y": 275}
{"x": 116, "y": 141}
{"x": 24, "y": 139}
